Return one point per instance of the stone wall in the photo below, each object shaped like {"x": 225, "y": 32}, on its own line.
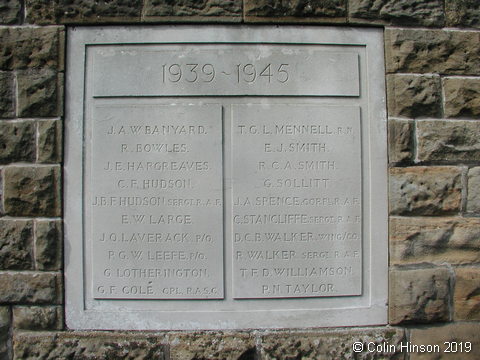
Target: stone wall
{"x": 433, "y": 88}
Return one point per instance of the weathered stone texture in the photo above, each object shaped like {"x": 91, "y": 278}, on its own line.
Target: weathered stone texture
{"x": 29, "y": 288}
{"x": 17, "y": 141}
{"x": 6, "y": 94}
{"x": 454, "y": 240}
{"x": 301, "y": 9}
{"x": 38, "y": 93}
{"x": 48, "y": 244}
{"x": 456, "y": 140}
{"x": 434, "y": 190}
{"x": 32, "y": 191}
{"x": 419, "y": 295}
{"x": 87, "y": 346}
{"x": 29, "y": 47}
{"x": 404, "y": 12}
{"x": 462, "y": 97}
{"x": 327, "y": 344}
{"x": 467, "y": 294}
{"x": 213, "y": 9}
{"x": 414, "y": 96}
{"x": 49, "y": 141}
{"x": 10, "y": 12}
{"x": 212, "y": 346}
{"x": 16, "y": 244}
{"x": 400, "y": 141}
{"x": 432, "y": 51}
{"x": 4, "y": 332}
{"x": 38, "y": 317}
{"x": 438, "y": 335}
{"x": 473, "y": 192}
{"x": 463, "y": 13}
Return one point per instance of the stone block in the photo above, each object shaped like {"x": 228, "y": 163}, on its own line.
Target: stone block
{"x": 419, "y": 295}
{"x": 432, "y": 51}
{"x": 39, "y": 93}
{"x": 329, "y": 344}
{"x": 83, "y": 346}
{"x": 467, "y": 293}
{"x": 438, "y": 335}
{"x": 48, "y": 244}
{"x": 7, "y": 101}
{"x": 403, "y": 12}
{"x": 400, "y": 141}
{"x": 453, "y": 240}
{"x": 49, "y": 148}
{"x": 16, "y": 244}
{"x": 414, "y": 96}
{"x": 30, "y": 47}
{"x": 300, "y": 10}
{"x": 17, "y": 141}
{"x": 38, "y": 318}
{"x": 29, "y": 287}
{"x": 454, "y": 140}
{"x": 212, "y": 346}
{"x": 473, "y": 191}
{"x": 10, "y": 12}
{"x": 463, "y": 13}
{"x": 422, "y": 190}
{"x": 185, "y": 10}
{"x": 32, "y": 191}
{"x": 4, "y": 332}
{"x": 462, "y": 97}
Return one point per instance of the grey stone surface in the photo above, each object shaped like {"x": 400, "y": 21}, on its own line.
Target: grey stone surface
{"x": 467, "y": 294}
{"x": 48, "y": 244}
{"x": 49, "y": 144}
{"x": 32, "y": 191}
{"x": 403, "y": 12}
{"x": 400, "y": 140}
{"x": 16, "y": 244}
{"x": 432, "y": 51}
{"x": 463, "y": 13}
{"x": 37, "y": 318}
{"x": 4, "y": 332}
{"x": 462, "y": 97}
{"x": 414, "y": 96}
{"x": 473, "y": 191}
{"x": 434, "y": 190}
{"x": 7, "y": 92}
{"x": 29, "y": 287}
{"x": 17, "y": 141}
{"x": 301, "y": 9}
{"x": 439, "y": 140}
{"x": 419, "y": 295}
{"x": 414, "y": 240}
{"x": 10, "y": 11}
{"x": 184, "y": 9}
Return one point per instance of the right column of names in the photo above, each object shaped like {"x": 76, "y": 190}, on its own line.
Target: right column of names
{"x": 296, "y": 198}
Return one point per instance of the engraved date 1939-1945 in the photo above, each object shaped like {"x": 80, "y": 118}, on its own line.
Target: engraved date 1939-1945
{"x": 241, "y": 73}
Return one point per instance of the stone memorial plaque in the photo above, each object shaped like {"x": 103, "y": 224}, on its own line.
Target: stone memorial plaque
{"x": 225, "y": 177}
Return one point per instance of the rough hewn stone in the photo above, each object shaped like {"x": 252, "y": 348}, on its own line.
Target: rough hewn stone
{"x": 1, "y": 192}
{"x": 49, "y": 141}
{"x": 38, "y": 93}
{"x": 16, "y": 244}
{"x": 10, "y": 11}
{"x": 473, "y": 192}
{"x": 38, "y": 317}
{"x": 29, "y": 287}
{"x": 87, "y": 346}
{"x": 303, "y": 10}
{"x": 463, "y": 13}
{"x": 467, "y": 294}
{"x": 214, "y": 10}
{"x": 454, "y": 240}
{"x": 438, "y": 335}
{"x": 404, "y": 12}
{"x": 456, "y": 140}
{"x": 4, "y": 332}
{"x": 432, "y": 51}
{"x": 328, "y": 344}
{"x": 212, "y": 346}
{"x": 32, "y": 191}
{"x": 17, "y": 141}
{"x": 414, "y": 96}
{"x": 6, "y": 94}
{"x": 462, "y": 97}
{"x": 400, "y": 141}
{"x": 30, "y": 47}
{"x": 48, "y": 244}
{"x": 434, "y": 190}
{"x": 419, "y": 295}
